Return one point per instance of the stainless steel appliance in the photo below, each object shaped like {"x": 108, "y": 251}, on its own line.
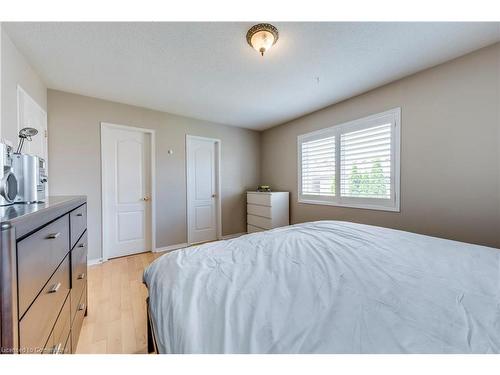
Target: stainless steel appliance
{"x": 31, "y": 174}
{"x": 8, "y": 181}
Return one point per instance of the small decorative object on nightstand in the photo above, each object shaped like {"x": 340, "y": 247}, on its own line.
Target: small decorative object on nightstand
{"x": 267, "y": 210}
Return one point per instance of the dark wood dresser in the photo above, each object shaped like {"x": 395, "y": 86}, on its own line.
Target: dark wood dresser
{"x": 43, "y": 275}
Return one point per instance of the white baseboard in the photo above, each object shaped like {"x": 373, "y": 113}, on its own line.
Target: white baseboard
{"x": 229, "y": 236}
{"x": 170, "y": 248}
{"x": 92, "y": 262}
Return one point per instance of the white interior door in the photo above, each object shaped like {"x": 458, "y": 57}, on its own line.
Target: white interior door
{"x": 126, "y": 192}
{"x": 202, "y": 165}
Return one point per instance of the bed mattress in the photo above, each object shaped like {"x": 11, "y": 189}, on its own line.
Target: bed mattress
{"x": 327, "y": 287}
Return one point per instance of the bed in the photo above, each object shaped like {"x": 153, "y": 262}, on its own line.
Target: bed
{"x": 326, "y": 287}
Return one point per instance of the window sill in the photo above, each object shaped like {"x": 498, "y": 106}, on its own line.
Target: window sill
{"x": 351, "y": 205}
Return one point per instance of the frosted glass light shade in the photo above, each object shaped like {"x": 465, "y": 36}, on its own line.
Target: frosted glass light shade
{"x": 262, "y": 41}
{"x": 262, "y": 37}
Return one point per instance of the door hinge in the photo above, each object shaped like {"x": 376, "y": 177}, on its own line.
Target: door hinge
{"x": 46, "y": 134}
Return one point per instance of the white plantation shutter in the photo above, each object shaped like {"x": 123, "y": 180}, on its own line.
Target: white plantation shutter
{"x": 318, "y": 167}
{"x": 366, "y": 163}
{"x": 355, "y": 164}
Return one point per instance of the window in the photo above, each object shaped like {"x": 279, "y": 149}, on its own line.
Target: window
{"x": 355, "y": 164}
{"x": 318, "y": 167}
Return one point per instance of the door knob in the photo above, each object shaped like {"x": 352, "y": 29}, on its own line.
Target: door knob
{"x": 214, "y": 195}
{"x": 145, "y": 199}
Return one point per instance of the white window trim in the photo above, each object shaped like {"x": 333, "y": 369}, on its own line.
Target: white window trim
{"x": 391, "y": 204}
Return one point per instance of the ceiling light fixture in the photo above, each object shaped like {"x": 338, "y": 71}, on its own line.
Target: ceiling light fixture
{"x": 262, "y": 37}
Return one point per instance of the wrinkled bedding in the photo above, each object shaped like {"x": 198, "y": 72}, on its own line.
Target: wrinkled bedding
{"x": 327, "y": 287}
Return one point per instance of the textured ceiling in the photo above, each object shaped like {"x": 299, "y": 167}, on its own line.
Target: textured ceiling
{"x": 207, "y": 70}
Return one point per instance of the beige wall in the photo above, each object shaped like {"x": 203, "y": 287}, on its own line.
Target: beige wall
{"x": 450, "y": 141}
{"x": 15, "y": 70}
{"x": 75, "y": 164}
{"x": 450, "y": 162}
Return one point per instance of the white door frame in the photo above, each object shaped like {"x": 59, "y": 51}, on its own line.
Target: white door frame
{"x": 104, "y": 215}
{"x": 218, "y": 197}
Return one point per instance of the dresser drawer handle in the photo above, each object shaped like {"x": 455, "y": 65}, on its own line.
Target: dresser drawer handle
{"x": 57, "y": 348}
{"x": 81, "y": 307}
{"x": 81, "y": 276}
{"x": 55, "y": 288}
{"x": 53, "y": 236}
{"x": 79, "y": 214}
{"x": 82, "y": 245}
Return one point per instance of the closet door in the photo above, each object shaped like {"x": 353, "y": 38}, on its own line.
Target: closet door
{"x": 31, "y": 114}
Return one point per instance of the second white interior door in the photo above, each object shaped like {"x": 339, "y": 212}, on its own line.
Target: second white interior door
{"x": 202, "y": 189}
{"x": 126, "y": 177}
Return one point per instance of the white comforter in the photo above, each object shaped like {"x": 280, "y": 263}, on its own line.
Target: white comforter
{"x": 327, "y": 287}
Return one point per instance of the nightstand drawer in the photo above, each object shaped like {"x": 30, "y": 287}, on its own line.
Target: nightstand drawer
{"x": 264, "y": 211}
{"x": 261, "y": 222}
{"x": 259, "y": 198}
{"x": 252, "y": 229}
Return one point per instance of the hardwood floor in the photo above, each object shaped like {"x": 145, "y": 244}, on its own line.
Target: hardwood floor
{"x": 116, "y": 320}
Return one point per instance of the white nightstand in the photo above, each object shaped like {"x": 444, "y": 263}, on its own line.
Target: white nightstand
{"x": 267, "y": 210}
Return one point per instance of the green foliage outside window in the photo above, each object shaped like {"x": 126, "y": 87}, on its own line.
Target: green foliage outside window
{"x": 366, "y": 184}
{"x": 372, "y": 184}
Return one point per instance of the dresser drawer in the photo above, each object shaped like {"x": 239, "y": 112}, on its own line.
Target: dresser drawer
{"x": 78, "y": 320}
{"x": 264, "y": 211}
{"x": 78, "y": 223}
{"x": 59, "y": 336}
{"x": 37, "y": 258}
{"x": 252, "y": 229}
{"x": 259, "y": 221}
{"x": 259, "y": 198}
{"x": 36, "y": 325}
{"x": 67, "y": 346}
{"x": 78, "y": 271}
{"x": 49, "y": 348}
